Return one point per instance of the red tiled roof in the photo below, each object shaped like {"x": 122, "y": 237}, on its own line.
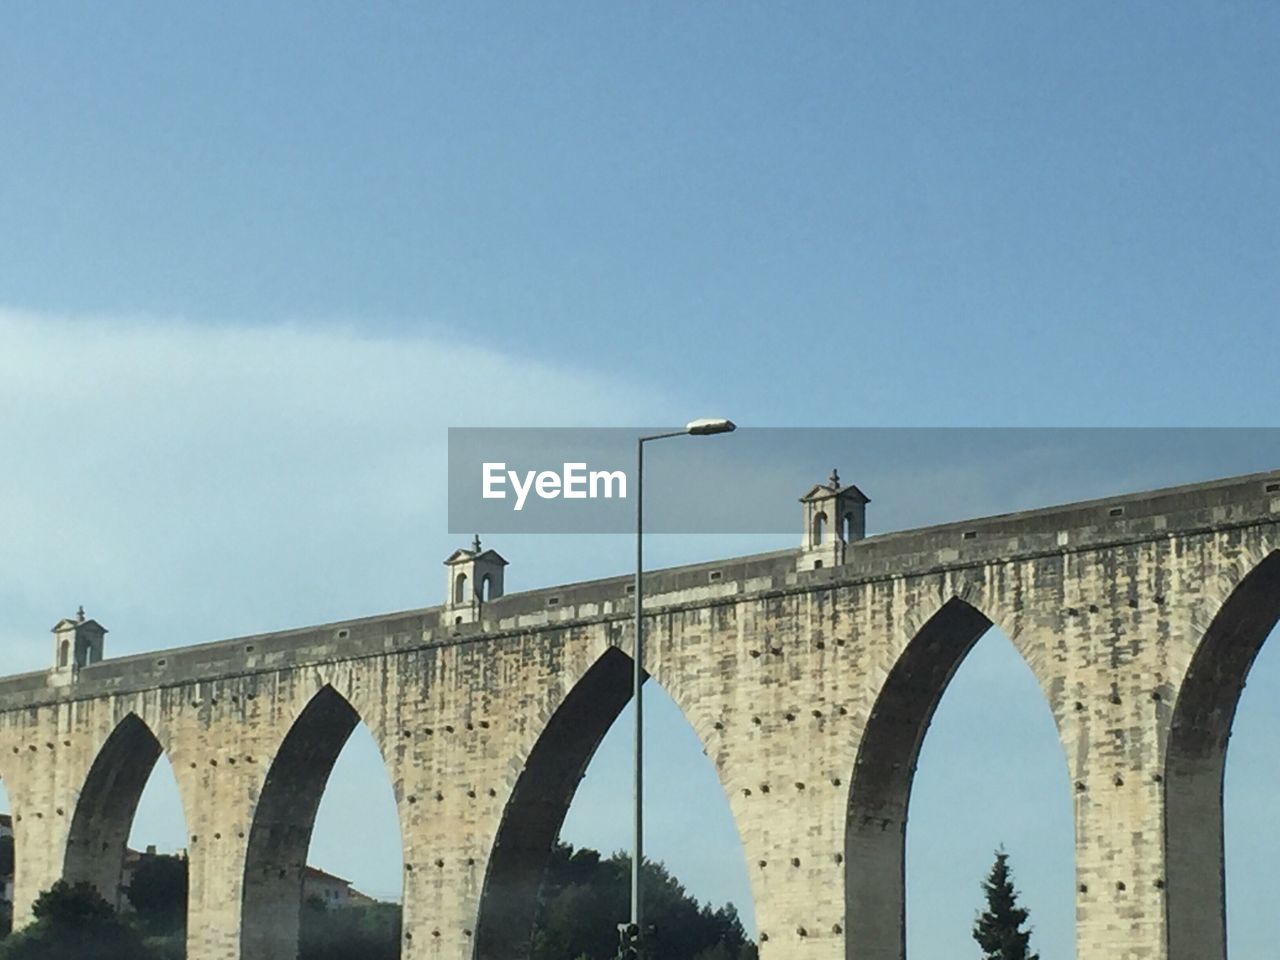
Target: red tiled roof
{"x": 315, "y": 873}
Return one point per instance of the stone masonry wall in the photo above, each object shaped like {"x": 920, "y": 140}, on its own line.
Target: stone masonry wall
{"x": 811, "y": 692}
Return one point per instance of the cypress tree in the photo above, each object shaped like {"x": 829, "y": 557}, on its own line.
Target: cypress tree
{"x": 998, "y": 929}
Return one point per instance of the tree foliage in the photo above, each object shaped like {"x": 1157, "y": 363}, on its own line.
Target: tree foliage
{"x": 158, "y": 892}
{"x": 368, "y": 931}
{"x": 998, "y": 929}
{"x": 585, "y": 896}
{"x": 72, "y": 922}
{"x": 6, "y": 870}
{"x": 583, "y": 900}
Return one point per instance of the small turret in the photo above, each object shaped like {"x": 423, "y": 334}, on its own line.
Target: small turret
{"x": 77, "y": 642}
{"x": 834, "y": 516}
{"x": 474, "y": 577}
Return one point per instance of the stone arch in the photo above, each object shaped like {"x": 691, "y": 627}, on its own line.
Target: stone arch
{"x": 566, "y": 741}
{"x": 536, "y": 807}
{"x": 880, "y": 788}
{"x": 1195, "y": 762}
{"x": 105, "y": 809}
{"x": 283, "y": 819}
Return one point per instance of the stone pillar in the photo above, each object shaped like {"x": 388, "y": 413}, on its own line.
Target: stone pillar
{"x": 762, "y": 686}
{"x": 219, "y": 802}
{"x": 42, "y": 776}
{"x": 792, "y": 838}
{"x": 444, "y": 874}
{"x": 1120, "y": 866}
{"x": 38, "y": 842}
{"x": 214, "y": 901}
{"x": 1112, "y": 709}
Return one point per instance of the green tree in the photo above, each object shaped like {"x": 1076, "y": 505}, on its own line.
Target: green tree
{"x": 72, "y": 922}
{"x": 998, "y": 929}
{"x": 6, "y": 870}
{"x": 368, "y": 931}
{"x": 584, "y": 897}
{"x": 158, "y": 892}
{"x": 6, "y": 856}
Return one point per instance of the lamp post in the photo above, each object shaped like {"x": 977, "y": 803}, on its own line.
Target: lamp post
{"x": 633, "y": 934}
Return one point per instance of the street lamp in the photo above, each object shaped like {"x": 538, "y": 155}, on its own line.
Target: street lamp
{"x": 633, "y": 934}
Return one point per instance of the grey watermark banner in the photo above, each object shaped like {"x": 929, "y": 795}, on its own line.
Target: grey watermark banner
{"x": 584, "y": 480}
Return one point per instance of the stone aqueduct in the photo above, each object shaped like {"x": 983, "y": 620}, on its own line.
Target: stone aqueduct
{"x": 810, "y": 676}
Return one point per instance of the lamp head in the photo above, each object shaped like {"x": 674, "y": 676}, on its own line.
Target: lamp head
{"x": 706, "y": 427}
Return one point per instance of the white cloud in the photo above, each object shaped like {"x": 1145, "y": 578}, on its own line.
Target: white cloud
{"x": 190, "y": 482}
{"x": 187, "y": 482}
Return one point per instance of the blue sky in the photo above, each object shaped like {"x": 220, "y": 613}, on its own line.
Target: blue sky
{"x": 256, "y": 258}
{"x": 862, "y": 194}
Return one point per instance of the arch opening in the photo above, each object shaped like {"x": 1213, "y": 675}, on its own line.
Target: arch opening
{"x": 281, "y": 890}
{"x": 588, "y": 741}
{"x": 819, "y": 529}
{"x": 1251, "y": 782}
{"x": 97, "y": 843}
{"x": 536, "y": 809}
{"x": 460, "y": 588}
{"x": 1196, "y": 763}
{"x": 1022, "y": 780}
{"x": 154, "y": 882}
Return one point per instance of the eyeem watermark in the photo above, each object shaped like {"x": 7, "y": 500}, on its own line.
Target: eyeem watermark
{"x": 550, "y": 480}
{"x": 573, "y": 482}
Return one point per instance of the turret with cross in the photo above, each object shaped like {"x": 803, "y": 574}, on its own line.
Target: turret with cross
{"x": 77, "y": 642}
{"x": 474, "y": 577}
{"x": 835, "y": 515}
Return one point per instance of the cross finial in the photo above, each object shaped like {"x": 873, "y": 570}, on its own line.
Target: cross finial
{"x": 80, "y": 614}
{"x": 834, "y": 480}
{"x": 475, "y": 544}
